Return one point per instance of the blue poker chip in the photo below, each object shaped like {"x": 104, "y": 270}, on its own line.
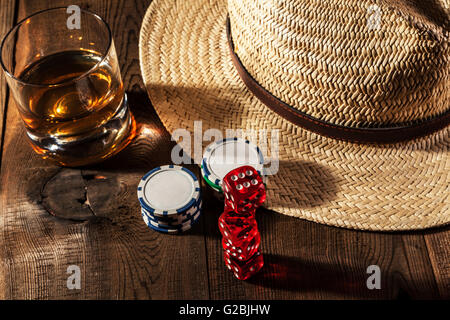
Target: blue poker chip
{"x": 169, "y": 191}
{"x": 222, "y": 156}
{"x": 174, "y": 219}
{"x": 169, "y": 230}
{"x": 175, "y": 226}
{"x": 181, "y": 219}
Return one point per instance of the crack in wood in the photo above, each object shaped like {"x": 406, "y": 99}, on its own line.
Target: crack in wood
{"x": 86, "y": 201}
{"x": 81, "y": 195}
{"x": 65, "y": 195}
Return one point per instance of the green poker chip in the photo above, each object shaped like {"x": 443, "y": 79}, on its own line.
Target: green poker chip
{"x": 210, "y": 183}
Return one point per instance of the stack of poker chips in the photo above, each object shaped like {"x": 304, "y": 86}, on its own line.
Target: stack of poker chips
{"x": 222, "y": 156}
{"x": 170, "y": 199}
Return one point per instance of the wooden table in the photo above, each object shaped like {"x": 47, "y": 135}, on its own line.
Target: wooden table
{"x": 99, "y": 227}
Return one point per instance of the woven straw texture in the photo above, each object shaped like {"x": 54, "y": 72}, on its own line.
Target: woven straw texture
{"x": 333, "y": 61}
{"x": 189, "y": 76}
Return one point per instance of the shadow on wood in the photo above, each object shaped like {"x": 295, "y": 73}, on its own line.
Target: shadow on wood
{"x": 294, "y": 274}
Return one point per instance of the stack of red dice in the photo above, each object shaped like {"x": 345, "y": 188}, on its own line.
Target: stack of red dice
{"x": 244, "y": 192}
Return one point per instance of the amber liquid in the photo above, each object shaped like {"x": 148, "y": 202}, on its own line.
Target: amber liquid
{"x": 77, "y": 106}
{"x": 76, "y": 98}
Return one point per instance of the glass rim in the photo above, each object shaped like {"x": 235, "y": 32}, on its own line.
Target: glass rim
{"x": 62, "y": 83}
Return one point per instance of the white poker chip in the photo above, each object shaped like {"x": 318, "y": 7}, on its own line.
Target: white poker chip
{"x": 168, "y": 191}
{"x": 192, "y": 210}
{"x": 228, "y": 154}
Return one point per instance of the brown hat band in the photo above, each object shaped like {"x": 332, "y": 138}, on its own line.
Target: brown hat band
{"x": 358, "y": 135}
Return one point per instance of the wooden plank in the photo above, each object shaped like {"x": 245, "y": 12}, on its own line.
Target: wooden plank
{"x": 119, "y": 257}
{"x": 438, "y": 243}
{"x": 416, "y": 279}
{"x": 305, "y": 260}
{"x": 7, "y": 10}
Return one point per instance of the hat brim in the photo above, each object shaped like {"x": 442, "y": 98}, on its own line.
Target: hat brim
{"x": 189, "y": 76}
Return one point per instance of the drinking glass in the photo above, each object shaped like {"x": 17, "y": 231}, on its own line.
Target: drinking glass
{"x": 66, "y": 83}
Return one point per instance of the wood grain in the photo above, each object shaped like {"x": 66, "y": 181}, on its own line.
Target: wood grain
{"x": 7, "y": 11}
{"x": 119, "y": 257}
{"x": 439, "y": 248}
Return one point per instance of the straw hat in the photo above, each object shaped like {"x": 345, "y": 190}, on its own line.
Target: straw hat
{"x": 359, "y": 90}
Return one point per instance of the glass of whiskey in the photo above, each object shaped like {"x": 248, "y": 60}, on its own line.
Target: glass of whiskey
{"x": 63, "y": 73}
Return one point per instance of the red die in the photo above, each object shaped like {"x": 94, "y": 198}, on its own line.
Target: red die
{"x": 242, "y": 250}
{"x": 244, "y": 269}
{"x": 244, "y": 189}
{"x": 236, "y": 227}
